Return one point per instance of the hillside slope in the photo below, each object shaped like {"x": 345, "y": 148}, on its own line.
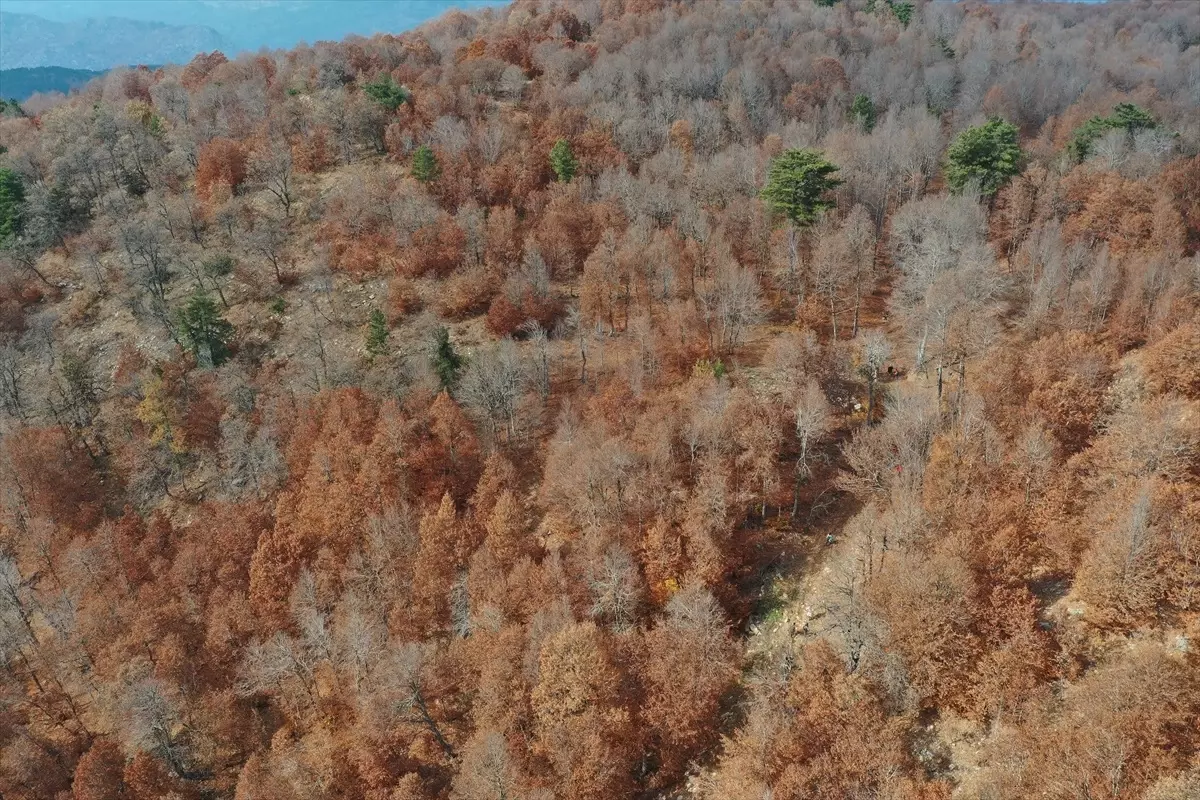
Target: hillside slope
{"x": 614, "y": 399}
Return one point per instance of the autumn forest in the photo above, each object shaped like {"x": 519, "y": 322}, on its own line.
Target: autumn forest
{"x": 592, "y": 399}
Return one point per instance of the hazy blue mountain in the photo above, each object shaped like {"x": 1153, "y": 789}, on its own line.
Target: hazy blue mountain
{"x": 99, "y": 43}
{"x": 22, "y": 82}
{"x": 252, "y": 24}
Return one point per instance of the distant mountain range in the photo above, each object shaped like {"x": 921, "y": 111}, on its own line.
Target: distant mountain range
{"x": 100, "y": 34}
{"x": 99, "y": 43}
{"x": 18, "y": 84}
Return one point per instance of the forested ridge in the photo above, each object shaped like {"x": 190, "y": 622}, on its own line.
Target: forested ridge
{"x": 613, "y": 398}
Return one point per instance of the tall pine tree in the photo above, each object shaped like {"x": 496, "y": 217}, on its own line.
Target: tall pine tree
{"x": 377, "y": 334}
{"x": 447, "y": 363}
{"x": 797, "y": 183}
{"x": 987, "y": 154}
{"x": 12, "y": 204}
{"x": 204, "y": 331}
{"x": 563, "y": 161}
{"x": 425, "y": 167}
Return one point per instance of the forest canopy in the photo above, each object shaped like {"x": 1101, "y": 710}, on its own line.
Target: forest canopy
{"x": 612, "y": 398}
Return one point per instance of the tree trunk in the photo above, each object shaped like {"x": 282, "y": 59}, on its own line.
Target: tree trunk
{"x": 793, "y": 250}
{"x": 857, "y": 307}
{"x": 427, "y": 719}
{"x": 871, "y": 378}
{"x": 962, "y": 386}
{"x": 796, "y": 490}
{"x": 920, "y": 365}
{"x": 37, "y": 273}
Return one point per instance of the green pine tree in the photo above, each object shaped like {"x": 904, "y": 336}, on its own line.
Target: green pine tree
{"x": 387, "y": 93}
{"x": 1132, "y": 118}
{"x": 377, "y": 334}
{"x": 796, "y": 185}
{"x": 1085, "y": 136}
{"x": 446, "y": 361}
{"x": 425, "y": 167}
{"x": 563, "y": 160}
{"x": 12, "y": 204}
{"x": 863, "y": 111}
{"x": 903, "y": 9}
{"x": 1125, "y": 115}
{"x": 988, "y": 154}
{"x": 204, "y": 331}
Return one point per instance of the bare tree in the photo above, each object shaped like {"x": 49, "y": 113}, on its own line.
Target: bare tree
{"x": 251, "y": 460}
{"x": 489, "y": 141}
{"x": 541, "y": 345}
{"x": 360, "y": 638}
{"x": 12, "y": 398}
{"x": 402, "y": 695}
{"x": 269, "y": 238}
{"x": 156, "y": 724}
{"x": 277, "y": 667}
{"x": 731, "y": 303}
{"x": 488, "y": 771}
{"x": 377, "y": 572}
{"x": 813, "y": 417}
{"x": 894, "y": 453}
{"x": 492, "y": 386}
{"x": 616, "y": 590}
{"x": 16, "y": 611}
{"x": 850, "y": 613}
{"x": 1121, "y": 572}
{"x": 831, "y": 269}
{"x": 271, "y": 165}
{"x": 875, "y": 352}
{"x": 148, "y": 252}
{"x": 860, "y": 236}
